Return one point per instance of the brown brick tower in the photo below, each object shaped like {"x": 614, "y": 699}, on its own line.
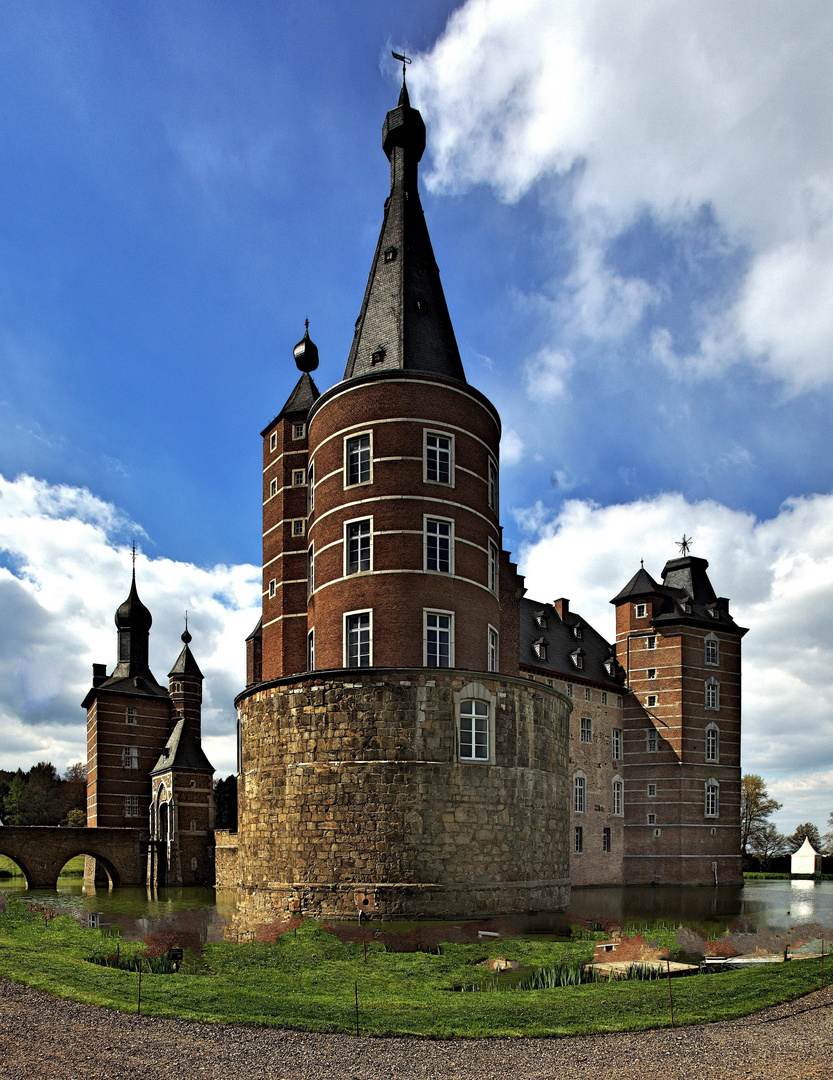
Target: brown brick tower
{"x": 680, "y": 649}
{"x": 392, "y": 759}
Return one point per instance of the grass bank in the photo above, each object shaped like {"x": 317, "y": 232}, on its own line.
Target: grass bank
{"x": 308, "y": 981}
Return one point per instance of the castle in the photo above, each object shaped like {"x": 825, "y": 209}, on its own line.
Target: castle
{"x": 416, "y": 736}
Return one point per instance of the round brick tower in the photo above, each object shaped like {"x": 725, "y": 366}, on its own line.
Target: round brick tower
{"x": 392, "y": 760}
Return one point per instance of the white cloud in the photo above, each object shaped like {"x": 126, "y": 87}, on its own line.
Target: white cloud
{"x": 547, "y": 373}
{"x": 66, "y": 574}
{"x": 661, "y": 109}
{"x": 511, "y": 448}
{"x": 779, "y": 576}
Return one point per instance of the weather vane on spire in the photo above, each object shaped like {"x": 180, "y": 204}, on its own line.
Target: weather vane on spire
{"x": 405, "y": 61}
{"x": 134, "y": 556}
{"x": 685, "y": 544}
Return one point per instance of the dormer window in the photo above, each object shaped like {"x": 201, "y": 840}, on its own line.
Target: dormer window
{"x": 640, "y": 611}
{"x": 541, "y": 620}
{"x": 378, "y": 356}
{"x": 577, "y": 631}
{"x": 578, "y": 659}
{"x": 390, "y": 254}
{"x": 539, "y": 647}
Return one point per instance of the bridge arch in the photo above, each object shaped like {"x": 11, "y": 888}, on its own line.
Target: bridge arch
{"x": 20, "y": 864}
{"x": 41, "y": 852}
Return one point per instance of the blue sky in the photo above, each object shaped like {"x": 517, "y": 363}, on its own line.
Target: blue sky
{"x": 632, "y": 210}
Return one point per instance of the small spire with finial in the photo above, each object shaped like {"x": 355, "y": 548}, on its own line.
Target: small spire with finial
{"x": 685, "y": 544}
{"x": 642, "y": 564}
{"x": 306, "y": 351}
{"x": 403, "y": 93}
{"x": 186, "y": 637}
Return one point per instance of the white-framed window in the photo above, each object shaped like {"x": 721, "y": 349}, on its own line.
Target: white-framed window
{"x": 541, "y": 620}
{"x": 711, "y": 651}
{"x": 640, "y": 610}
{"x": 651, "y": 642}
{"x": 651, "y": 701}
{"x": 493, "y": 650}
{"x": 569, "y": 688}
{"x": 579, "y": 793}
{"x": 712, "y": 743}
{"x": 299, "y": 526}
{"x": 539, "y": 647}
{"x": 194, "y": 863}
{"x": 493, "y": 485}
{"x": 651, "y": 740}
{"x": 652, "y": 819}
{"x": 130, "y": 757}
{"x": 438, "y": 638}
{"x": 587, "y": 695}
{"x": 439, "y": 458}
{"x": 131, "y": 806}
{"x": 273, "y": 488}
{"x": 358, "y": 638}
{"x": 358, "y": 546}
{"x": 578, "y": 632}
{"x": 311, "y": 650}
{"x": 617, "y": 744}
{"x": 586, "y": 729}
{"x": 652, "y": 672}
{"x": 273, "y": 441}
{"x": 310, "y": 570}
{"x": 652, "y": 791}
{"x": 130, "y": 716}
{"x": 273, "y": 588}
{"x": 299, "y": 431}
{"x": 606, "y": 839}
{"x": 299, "y": 477}
{"x": 712, "y": 798}
{"x": 604, "y": 697}
{"x": 176, "y": 688}
{"x": 712, "y": 695}
{"x": 439, "y": 545}
{"x": 358, "y": 459}
{"x": 311, "y": 489}
{"x": 493, "y": 567}
{"x": 474, "y": 730}
{"x": 578, "y": 839}
{"x": 618, "y": 796}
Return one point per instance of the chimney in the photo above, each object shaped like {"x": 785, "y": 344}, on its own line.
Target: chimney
{"x": 562, "y": 608}
{"x": 99, "y": 674}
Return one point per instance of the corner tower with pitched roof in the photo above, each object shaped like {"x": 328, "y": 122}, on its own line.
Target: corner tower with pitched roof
{"x": 392, "y": 759}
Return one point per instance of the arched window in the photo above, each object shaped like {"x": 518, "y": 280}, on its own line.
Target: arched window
{"x": 712, "y": 743}
{"x": 579, "y": 793}
{"x": 712, "y": 699}
{"x": 711, "y": 648}
{"x": 712, "y": 798}
{"x": 618, "y": 796}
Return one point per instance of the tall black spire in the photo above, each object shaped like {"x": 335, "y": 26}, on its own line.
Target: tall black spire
{"x": 133, "y": 621}
{"x": 404, "y": 321}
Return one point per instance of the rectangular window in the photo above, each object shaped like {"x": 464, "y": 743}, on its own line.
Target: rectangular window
{"x": 272, "y": 588}
{"x": 617, "y": 744}
{"x": 712, "y": 694}
{"x": 493, "y": 652}
{"x": 650, "y": 642}
{"x": 357, "y": 639}
{"x": 474, "y": 731}
{"x": 587, "y": 693}
{"x": 493, "y": 567}
{"x": 711, "y": 651}
{"x": 606, "y": 839}
{"x": 540, "y": 648}
{"x": 438, "y": 545}
{"x": 357, "y": 546}
{"x": 578, "y": 839}
{"x": 273, "y": 441}
{"x": 357, "y": 460}
{"x": 712, "y": 743}
{"x": 131, "y": 806}
{"x": 130, "y": 757}
{"x": 311, "y": 490}
{"x": 604, "y": 697}
{"x": 712, "y": 799}
{"x": 130, "y": 715}
{"x": 651, "y": 701}
{"x": 310, "y": 570}
{"x": 439, "y": 639}
{"x": 579, "y": 794}
{"x": 299, "y": 526}
{"x": 652, "y": 791}
{"x": 299, "y": 431}
{"x": 640, "y": 610}
{"x": 618, "y": 797}
{"x": 652, "y": 819}
{"x": 439, "y": 450}
{"x": 493, "y": 489}
{"x": 569, "y": 689}
{"x": 311, "y": 651}
{"x": 652, "y": 672}
{"x": 299, "y": 477}
{"x": 586, "y": 729}
{"x": 651, "y": 740}
{"x": 273, "y": 488}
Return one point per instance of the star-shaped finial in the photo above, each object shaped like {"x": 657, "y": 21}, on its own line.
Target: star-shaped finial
{"x": 685, "y": 544}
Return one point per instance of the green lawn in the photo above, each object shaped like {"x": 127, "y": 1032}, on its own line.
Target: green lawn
{"x": 306, "y": 981}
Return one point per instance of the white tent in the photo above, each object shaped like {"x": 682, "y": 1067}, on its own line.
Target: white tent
{"x": 806, "y": 860}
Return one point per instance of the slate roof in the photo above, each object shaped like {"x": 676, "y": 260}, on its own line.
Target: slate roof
{"x": 185, "y": 664}
{"x": 563, "y": 645}
{"x": 685, "y": 596}
{"x": 182, "y": 751}
{"x": 404, "y": 322}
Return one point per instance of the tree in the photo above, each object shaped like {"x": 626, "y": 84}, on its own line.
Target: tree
{"x": 14, "y": 798}
{"x": 808, "y": 829}
{"x": 755, "y": 807}
{"x": 74, "y": 791}
{"x": 767, "y": 843}
{"x": 42, "y": 802}
{"x": 225, "y": 800}
{"x": 828, "y": 836}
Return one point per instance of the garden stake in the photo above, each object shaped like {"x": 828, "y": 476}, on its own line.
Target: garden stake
{"x": 356, "y": 988}
{"x": 670, "y": 998}
{"x": 139, "y": 994}
{"x": 822, "y": 963}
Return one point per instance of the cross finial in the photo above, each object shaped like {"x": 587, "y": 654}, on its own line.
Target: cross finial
{"x": 685, "y": 544}
{"x": 405, "y": 60}
{"x": 306, "y": 325}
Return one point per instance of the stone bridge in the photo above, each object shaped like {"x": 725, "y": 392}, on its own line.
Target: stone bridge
{"x": 41, "y": 851}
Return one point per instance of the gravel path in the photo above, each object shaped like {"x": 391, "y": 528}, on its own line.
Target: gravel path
{"x": 45, "y": 1038}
